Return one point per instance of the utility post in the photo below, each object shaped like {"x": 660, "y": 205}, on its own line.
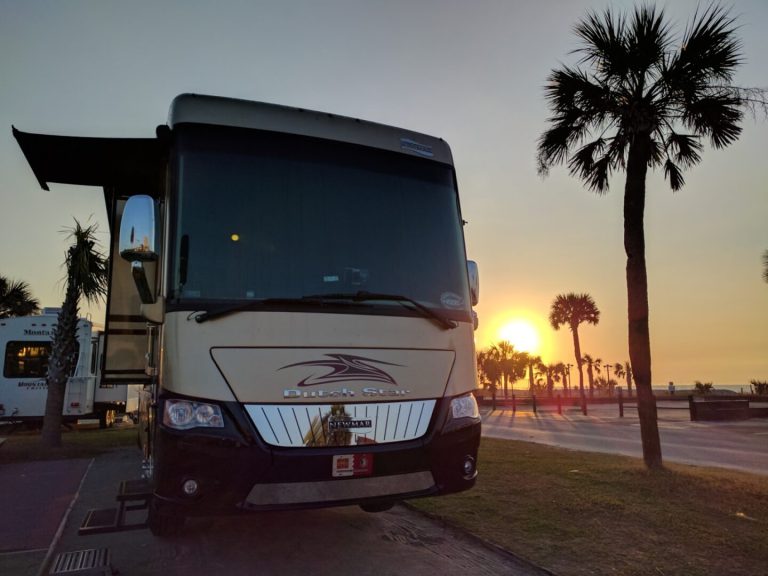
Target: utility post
{"x": 608, "y": 376}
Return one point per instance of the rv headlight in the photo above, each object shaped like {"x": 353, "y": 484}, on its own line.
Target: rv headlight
{"x": 184, "y": 414}
{"x": 464, "y": 407}
{"x": 463, "y": 413}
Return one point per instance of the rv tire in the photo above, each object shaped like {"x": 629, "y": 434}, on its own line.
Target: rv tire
{"x": 163, "y": 524}
{"x": 377, "y": 507}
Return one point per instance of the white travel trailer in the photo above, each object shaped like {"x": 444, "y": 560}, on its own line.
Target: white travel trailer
{"x": 292, "y": 288}
{"x": 25, "y": 343}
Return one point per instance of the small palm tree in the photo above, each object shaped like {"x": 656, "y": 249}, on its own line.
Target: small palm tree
{"x": 765, "y": 265}
{"x": 511, "y": 361}
{"x": 593, "y": 365}
{"x": 624, "y": 371}
{"x": 563, "y": 374}
{"x": 552, "y": 373}
{"x": 571, "y": 310}
{"x": 490, "y": 373}
{"x": 86, "y": 277}
{"x": 645, "y": 101}
{"x": 16, "y": 299}
{"x": 531, "y": 362}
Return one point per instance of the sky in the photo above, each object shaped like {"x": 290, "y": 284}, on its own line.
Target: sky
{"x": 469, "y": 72}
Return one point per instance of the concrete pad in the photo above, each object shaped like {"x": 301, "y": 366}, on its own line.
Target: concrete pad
{"x": 34, "y": 496}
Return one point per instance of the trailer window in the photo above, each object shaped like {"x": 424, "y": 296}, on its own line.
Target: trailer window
{"x": 26, "y": 359}
{"x": 29, "y": 359}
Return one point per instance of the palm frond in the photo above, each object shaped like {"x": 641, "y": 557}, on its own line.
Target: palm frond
{"x": 579, "y": 104}
{"x": 604, "y": 46}
{"x": 684, "y": 149}
{"x": 581, "y": 162}
{"x": 16, "y": 298}
{"x": 673, "y": 173}
{"x": 715, "y": 115}
{"x": 648, "y": 40}
{"x": 710, "y": 47}
{"x": 657, "y": 152}
{"x": 86, "y": 265}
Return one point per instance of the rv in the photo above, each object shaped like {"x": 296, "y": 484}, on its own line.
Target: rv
{"x": 25, "y": 343}
{"x": 291, "y": 288}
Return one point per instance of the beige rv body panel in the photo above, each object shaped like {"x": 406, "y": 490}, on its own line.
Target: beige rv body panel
{"x": 126, "y": 328}
{"x": 274, "y": 357}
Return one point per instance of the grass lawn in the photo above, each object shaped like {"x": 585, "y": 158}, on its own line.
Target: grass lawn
{"x": 25, "y": 446}
{"x": 578, "y": 513}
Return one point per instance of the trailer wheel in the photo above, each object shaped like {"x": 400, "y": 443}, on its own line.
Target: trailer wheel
{"x": 106, "y": 418}
{"x": 163, "y": 524}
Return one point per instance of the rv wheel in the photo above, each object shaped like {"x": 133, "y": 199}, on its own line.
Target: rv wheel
{"x": 377, "y": 507}
{"x": 163, "y": 524}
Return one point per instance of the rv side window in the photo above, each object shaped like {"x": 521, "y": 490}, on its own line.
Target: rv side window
{"x": 26, "y": 359}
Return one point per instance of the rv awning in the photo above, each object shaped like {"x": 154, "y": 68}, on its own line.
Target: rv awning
{"x": 107, "y": 162}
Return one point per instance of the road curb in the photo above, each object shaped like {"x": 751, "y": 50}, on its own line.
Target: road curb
{"x": 524, "y": 562}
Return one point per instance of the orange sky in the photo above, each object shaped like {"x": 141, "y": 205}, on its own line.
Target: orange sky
{"x": 471, "y": 73}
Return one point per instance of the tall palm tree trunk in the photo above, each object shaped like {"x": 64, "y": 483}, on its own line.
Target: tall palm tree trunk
{"x": 637, "y": 297}
{"x": 530, "y": 376}
{"x": 579, "y": 361}
{"x": 63, "y": 348}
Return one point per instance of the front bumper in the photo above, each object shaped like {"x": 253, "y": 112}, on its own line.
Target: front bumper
{"x": 235, "y": 470}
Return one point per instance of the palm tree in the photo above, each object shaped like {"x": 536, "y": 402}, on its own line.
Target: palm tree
{"x": 16, "y": 299}
{"x": 552, "y": 373}
{"x": 624, "y": 371}
{"x": 593, "y": 365}
{"x": 511, "y": 361}
{"x": 563, "y": 368}
{"x": 765, "y": 265}
{"x": 531, "y": 362}
{"x": 643, "y": 103}
{"x": 489, "y": 373}
{"x": 571, "y": 310}
{"x": 86, "y": 277}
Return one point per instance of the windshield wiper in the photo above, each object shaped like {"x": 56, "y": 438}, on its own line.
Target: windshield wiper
{"x": 362, "y": 296}
{"x": 253, "y": 305}
{"x": 354, "y": 297}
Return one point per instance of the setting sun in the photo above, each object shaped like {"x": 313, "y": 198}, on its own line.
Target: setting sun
{"x": 522, "y": 335}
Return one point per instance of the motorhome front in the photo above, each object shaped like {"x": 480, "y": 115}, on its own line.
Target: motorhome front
{"x": 294, "y": 289}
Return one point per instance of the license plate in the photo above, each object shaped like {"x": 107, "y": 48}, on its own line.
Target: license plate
{"x": 352, "y": 465}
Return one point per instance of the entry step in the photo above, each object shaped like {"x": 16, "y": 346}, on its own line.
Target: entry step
{"x": 132, "y": 495}
{"x": 93, "y": 562}
{"x": 134, "y": 490}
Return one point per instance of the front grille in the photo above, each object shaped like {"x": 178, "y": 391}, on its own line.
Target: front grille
{"x": 307, "y": 425}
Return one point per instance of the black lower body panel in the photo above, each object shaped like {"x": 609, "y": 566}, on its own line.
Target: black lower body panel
{"x": 235, "y": 470}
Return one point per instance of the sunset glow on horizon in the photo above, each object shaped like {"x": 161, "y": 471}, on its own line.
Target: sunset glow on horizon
{"x": 522, "y": 335}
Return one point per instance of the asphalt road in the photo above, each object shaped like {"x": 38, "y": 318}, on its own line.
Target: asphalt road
{"x": 739, "y": 445}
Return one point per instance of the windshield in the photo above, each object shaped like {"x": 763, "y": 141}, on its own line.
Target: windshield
{"x": 272, "y": 216}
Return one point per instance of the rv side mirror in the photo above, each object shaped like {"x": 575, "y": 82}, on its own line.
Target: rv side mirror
{"x": 137, "y": 241}
{"x": 474, "y": 282}
{"x": 137, "y": 230}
